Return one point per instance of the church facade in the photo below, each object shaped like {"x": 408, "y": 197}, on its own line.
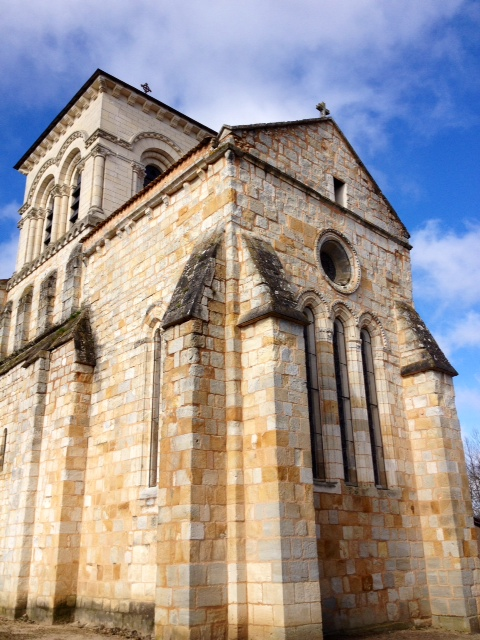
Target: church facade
{"x": 221, "y": 415}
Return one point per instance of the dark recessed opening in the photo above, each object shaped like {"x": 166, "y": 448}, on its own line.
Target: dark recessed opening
{"x": 151, "y": 173}
{"x": 339, "y": 191}
{"x": 335, "y": 262}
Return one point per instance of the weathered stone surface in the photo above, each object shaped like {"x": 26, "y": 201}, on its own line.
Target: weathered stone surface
{"x": 419, "y": 349}
{"x": 194, "y": 290}
{"x": 186, "y": 302}
{"x": 281, "y": 303}
{"x": 76, "y": 328}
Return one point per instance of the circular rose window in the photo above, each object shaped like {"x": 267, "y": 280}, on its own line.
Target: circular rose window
{"x": 339, "y": 261}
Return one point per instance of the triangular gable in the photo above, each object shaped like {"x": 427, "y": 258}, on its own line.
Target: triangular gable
{"x": 313, "y": 150}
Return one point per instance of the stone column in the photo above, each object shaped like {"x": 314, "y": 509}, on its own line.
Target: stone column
{"x": 57, "y": 206}
{"x": 99, "y": 156}
{"x": 39, "y": 233}
{"x": 363, "y": 448}
{"x": 138, "y": 175}
{"x": 31, "y": 217}
{"x": 63, "y": 217}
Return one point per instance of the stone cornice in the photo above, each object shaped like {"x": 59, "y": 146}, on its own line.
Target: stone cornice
{"x": 98, "y": 84}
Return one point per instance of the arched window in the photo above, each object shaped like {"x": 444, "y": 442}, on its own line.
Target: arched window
{"x": 372, "y": 409}
{"x": 3, "y": 449}
{"x": 154, "y": 428}
{"x": 75, "y": 203}
{"x": 5, "y": 320}
{"x": 344, "y": 405}
{"x": 318, "y": 462}
{"x": 72, "y": 284}
{"x": 46, "y": 302}
{"x": 22, "y": 329}
{"x": 151, "y": 173}
{"x": 47, "y": 238}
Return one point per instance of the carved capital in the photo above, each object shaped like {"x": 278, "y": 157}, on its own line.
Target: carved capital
{"x": 100, "y": 151}
{"x": 139, "y": 169}
{"x": 57, "y": 191}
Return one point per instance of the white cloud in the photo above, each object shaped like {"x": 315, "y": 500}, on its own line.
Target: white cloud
{"x": 446, "y": 265}
{"x": 9, "y": 212}
{"x": 462, "y": 333}
{"x": 251, "y": 61}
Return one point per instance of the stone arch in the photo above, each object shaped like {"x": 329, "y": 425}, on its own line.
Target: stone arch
{"x": 67, "y": 143}
{"x": 53, "y": 161}
{"x": 371, "y": 322}
{"x": 319, "y": 304}
{"x": 143, "y": 140}
{"x": 44, "y": 191}
{"x": 69, "y": 165}
{"x": 153, "y": 317}
{"x": 345, "y": 312}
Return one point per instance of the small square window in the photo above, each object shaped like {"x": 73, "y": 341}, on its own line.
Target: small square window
{"x": 339, "y": 191}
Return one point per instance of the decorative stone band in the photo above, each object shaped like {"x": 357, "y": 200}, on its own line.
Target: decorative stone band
{"x": 419, "y": 351}
{"x": 187, "y": 299}
{"x": 76, "y": 328}
{"x": 282, "y": 303}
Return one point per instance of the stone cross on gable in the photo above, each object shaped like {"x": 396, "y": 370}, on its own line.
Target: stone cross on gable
{"x": 322, "y": 107}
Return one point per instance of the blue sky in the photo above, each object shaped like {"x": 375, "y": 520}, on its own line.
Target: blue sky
{"x": 401, "y": 78}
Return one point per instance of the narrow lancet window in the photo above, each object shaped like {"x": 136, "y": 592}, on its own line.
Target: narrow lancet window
{"x": 154, "y": 430}
{"x": 344, "y": 404}
{"x": 75, "y": 205}
{"x": 3, "y": 449}
{"x": 49, "y": 222}
{"x": 372, "y": 409}
{"x": 318, "y": 462}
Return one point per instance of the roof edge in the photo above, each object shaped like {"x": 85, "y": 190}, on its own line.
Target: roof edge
{"x": 100, "y": 73}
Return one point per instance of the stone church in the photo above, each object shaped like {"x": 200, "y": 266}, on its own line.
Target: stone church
{"x": 221, "y": 416}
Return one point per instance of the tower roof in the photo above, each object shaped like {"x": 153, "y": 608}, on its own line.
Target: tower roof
{"x": 97, "y": 78}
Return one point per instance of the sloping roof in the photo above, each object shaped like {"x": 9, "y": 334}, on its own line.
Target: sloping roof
{"x": 99, "y": 73}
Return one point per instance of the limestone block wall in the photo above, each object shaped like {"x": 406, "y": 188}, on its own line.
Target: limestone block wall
{"x": 22, "y": 412}
{"x": 282, "y": 572}
{"x": 128, "y": 297}
{"x": 213, "y": 267}
{"x": 369, "y": 545}
{"x": 448, "y": 534}
{"x": 60, "y": 489}
{"x": 315, "y": 153}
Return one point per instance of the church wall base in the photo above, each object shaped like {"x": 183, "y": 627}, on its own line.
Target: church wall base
{"x": 457, "y": 623}
{"x": 138, "y": 616}
{"x": 61, "y": 613}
